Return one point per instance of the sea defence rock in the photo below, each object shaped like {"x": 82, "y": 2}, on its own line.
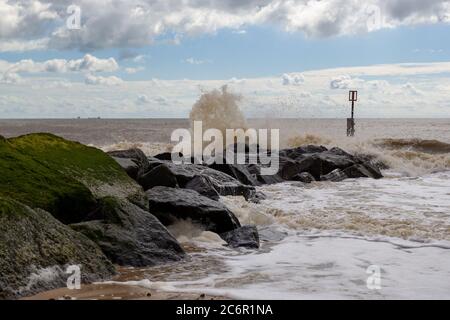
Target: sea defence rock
{"x": 335, "y": 176}
{"x": 170, "y": 205}
{"x": 133, "y": 161}
{"x": 320, "y": 162}
{"x": 203, "y": 179}
{"x": 130, "y": 167}
{"x": 62, "y": 177}
{"x": 131, "y": 236}
{"x": 168, "y": 156}
{"x": 204, "y": 186}
{"x": 304, "y": 177}
{"x": 36, "y": 249}
{"x": 71, "y": 182}
{"x": 161, "y": 175}
{"x": 245, "y": 237}
{"x": 238, "y": 171}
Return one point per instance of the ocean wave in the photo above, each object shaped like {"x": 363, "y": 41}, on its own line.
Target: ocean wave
{"x": 412, "y": 157}
{"x": 149, "y": 148}
{"x": 418, "y": 145}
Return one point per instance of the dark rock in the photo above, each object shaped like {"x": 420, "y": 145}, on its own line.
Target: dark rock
{"x": 204, "y": 186}
{"x": 159, "y": 176}
{"x": 259, "y": 196}
{"x": 320, "y": 163}
{"x": 290, "y": 168}
{"x": 272, "y": 179}
{"x": 357, "y": 171}
{"x": 237, "y": 171}
{"x": 36, "y": 249}
{"x": 131, "y": 236}
{"x": 299, "y": 152}
{"x": 254, "y": 169}
{"x": 335, "y": 176}
{"x": 167, "y": 156}
{"x": 169, "y": 205}
{"x": 304, "y": 177}
{"x": 136, "y": 155}
{"x": 331, "y": 162}
{"x": 339, "y": 152}
{"x": 373, "y": 169}
{"x": 372, "y": 160}
{"x": 246, "y": 237}
{"x": 131, "y": 167}
{"x": 317, "y": 165}
{"x": 224, "y": 184}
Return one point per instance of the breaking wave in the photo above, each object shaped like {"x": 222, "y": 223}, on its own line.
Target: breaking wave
{"x": 149, "y": 148}
{"x": 218, "y": 109}
{"x": 415, "y": 145}
{"x": 412, "y": 157}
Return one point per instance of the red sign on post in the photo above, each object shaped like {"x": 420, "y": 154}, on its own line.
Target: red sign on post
{"x": 353, "y": 96}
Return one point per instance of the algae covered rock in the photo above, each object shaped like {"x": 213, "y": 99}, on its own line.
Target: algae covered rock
{"x": 35, "y": 250}
{"x": 62, "y": 177}
{"x": 60, "y": 183}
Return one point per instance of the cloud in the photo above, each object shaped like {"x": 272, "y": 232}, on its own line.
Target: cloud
{"x": 411, "y": 89}
{"x": 387, "y": 70}
{"x": 380, "y": 96}
{"x": 99, "y": 80}
{"x": 88, "y": 63}
{"x": 23, "y": 45}
{"x": 195, "y": 61}
{"x": 33, "y": 24}
{"x": 134, "y": 70}
{"x": 10, "y": 78}
{"x": 292, "y": 79}
{"x": 346, "y": 82}
{"x": 129, "y": 55}
{"x": 142, "y": 99}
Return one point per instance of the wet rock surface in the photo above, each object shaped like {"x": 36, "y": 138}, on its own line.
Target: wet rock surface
{"x": 131, "y": 236}
{"x": 243, "y": 237}
{"x": 170, "y": 205}
{"x": 36, "y": 249}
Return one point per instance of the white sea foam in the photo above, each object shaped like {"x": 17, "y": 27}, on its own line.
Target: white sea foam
{"x": 324, "y": 268}
{"x": 335, "y": 232}
{"x": 185, "y": 231}
{"x": 150, "y": 149}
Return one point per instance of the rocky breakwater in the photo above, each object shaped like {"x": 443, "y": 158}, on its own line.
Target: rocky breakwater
{"x": 64, "y": 204}
{"x": 192, "y": 191}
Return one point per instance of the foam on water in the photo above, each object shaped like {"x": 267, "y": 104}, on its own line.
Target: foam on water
{"x": 323, "y": 268}
{"x": 334, "y": 233}
{"x": 412, "y": 157}
{"x": 150, "y": 149}
{"x": 187, "y": 232}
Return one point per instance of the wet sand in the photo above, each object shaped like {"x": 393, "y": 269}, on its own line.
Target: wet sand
{"x": 116, "y": 292}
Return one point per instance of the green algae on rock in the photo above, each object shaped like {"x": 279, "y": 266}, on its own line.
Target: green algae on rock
{"x": 35, "y": 250}
{"x": 48, "y": 183}
{"x": 62, "y": 177}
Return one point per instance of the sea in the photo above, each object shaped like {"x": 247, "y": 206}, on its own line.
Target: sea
{"x": 356, "y": 239}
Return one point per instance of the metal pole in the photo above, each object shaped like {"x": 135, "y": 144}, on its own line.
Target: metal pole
{"x": 353, "y": 109}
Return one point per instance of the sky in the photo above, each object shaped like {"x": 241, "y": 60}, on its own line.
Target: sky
{"x": 292, "y": 58}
